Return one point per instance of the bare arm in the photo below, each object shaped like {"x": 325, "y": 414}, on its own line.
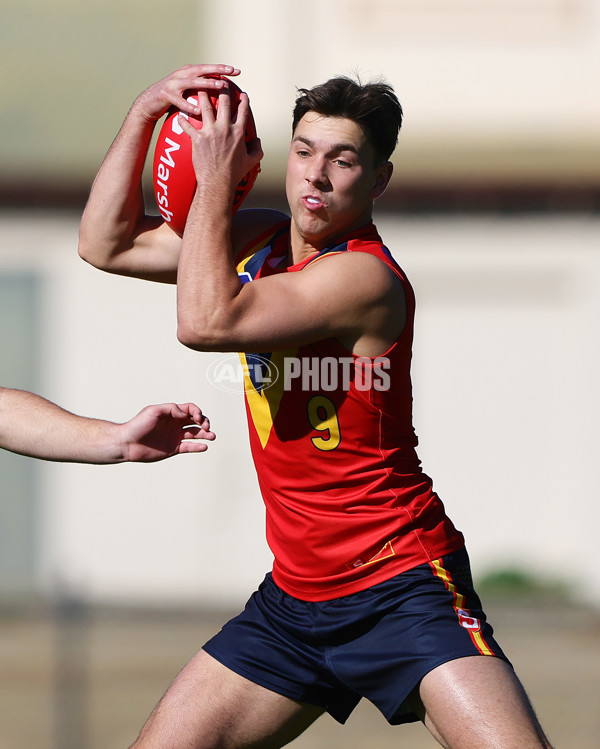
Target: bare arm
{"x": 115, "y": 233}
{"x": 33, "y": 426}
{"x": 352, "y": 296}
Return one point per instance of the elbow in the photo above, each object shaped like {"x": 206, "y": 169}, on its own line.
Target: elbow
{"x": 187, "y": 336}
{"x": 86, "y": 252}
{"x": 92, "y": 251}
{"x": 95, "y": 259}
{"x": 195, "y": 340}
{"x": 192, "y": 334}
{"x": 203, "y": 335}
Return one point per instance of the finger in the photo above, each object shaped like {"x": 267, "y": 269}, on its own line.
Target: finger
{"x": 205, "y": 424}
{"x": 185, "y": 125}
{"x": 177, "y": 411}
{"x": 188, "y": 105}
{"x": 192, "y": 447}
{"x": 202, "y": 69}
{"x": 243, "y": 109}
{"x": 201, "y": 434}
{"x": 198, "y": 431}
{"x": 192, "y": 411}
{"x": 207, "y": 110}
{"x": 178, "y": 91}
{"x": 194, "y": 432}
{"x": 224, "y": 105}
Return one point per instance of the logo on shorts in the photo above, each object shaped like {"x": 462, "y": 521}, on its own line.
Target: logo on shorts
{"x": 467, "y": 621}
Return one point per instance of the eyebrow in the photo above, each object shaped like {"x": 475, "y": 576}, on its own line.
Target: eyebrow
{"x": 335, "y": 149}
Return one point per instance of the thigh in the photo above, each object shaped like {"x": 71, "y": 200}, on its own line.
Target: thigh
{"x": 478, "y": 703}
{"x": 210, "y": 706}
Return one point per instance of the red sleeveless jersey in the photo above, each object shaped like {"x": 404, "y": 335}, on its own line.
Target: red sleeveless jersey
{"x": 347, "y": 504}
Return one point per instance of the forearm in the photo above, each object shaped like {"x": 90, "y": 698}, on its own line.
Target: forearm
{"x": 207, "y": 280}
{"x": 33, "y": 426}
{"x": 115, "y": 207}
{"x": 209, "y": 290}
{"x": 115, "y": 234}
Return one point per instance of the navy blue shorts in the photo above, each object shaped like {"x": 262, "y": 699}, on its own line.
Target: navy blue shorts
{"x": 378, "y": 643}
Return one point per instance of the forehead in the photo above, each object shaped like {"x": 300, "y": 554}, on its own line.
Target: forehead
{"x": 330, "y": 133}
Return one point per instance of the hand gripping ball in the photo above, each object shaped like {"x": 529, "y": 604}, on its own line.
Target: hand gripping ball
{"x": 173, "y": 173}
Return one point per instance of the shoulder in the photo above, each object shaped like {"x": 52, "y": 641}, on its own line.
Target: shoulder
{"x": 251, "y": 223}
{"x": 367, "y": 274}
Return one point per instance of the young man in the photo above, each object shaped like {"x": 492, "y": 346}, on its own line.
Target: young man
{"x": 33, "y": 426}
{"x": 370, "y": 593}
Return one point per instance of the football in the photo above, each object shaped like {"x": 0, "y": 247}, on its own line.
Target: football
{"x": 173, "y": 172}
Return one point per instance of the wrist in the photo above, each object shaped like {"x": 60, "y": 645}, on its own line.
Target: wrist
{"x": 142, "y": 113}
{"x": 213, "y": 197}
{"x": 114, "y": 446}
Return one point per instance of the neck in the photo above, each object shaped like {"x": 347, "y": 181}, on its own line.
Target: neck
{"x": 301, "y": 247}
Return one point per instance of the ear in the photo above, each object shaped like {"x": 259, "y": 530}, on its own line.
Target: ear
{"x": 382, "y": 177}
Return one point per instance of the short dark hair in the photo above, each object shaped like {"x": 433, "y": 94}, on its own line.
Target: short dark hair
{"x": 373, "y": 106}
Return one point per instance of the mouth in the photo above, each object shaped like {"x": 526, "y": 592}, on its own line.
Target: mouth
{"x": 313, "y": 203}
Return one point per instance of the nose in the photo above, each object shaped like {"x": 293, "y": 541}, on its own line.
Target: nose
{"x": 316, "y": 172}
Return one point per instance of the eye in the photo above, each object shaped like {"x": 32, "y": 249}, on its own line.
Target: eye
{"x": 343, "y": 163}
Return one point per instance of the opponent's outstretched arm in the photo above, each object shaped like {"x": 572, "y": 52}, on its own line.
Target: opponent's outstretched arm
{"x": 115, "y": 233}
{"x": 33, "y": 426}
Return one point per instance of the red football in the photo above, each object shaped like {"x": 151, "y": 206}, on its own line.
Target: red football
{"x": 173, "y": 173}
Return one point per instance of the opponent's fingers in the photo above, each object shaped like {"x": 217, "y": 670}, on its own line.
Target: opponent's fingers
{"x": 201, "y": 422}
{"x": 191, "y": 447}
{"x": 197, "y": 434}
{"x": 190, "y": 411}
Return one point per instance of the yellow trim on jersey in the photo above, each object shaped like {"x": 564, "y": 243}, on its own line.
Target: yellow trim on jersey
{"x": 385, "y": 552}
{"x": 264, "y": 402}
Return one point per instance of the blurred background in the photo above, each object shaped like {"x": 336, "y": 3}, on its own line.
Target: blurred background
{"x": 110, "y": 575}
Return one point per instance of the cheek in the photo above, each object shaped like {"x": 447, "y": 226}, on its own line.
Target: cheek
{"x": 289, "y": 182}
{"x": 292, "y": 175}
{"x": 354, "y": 191}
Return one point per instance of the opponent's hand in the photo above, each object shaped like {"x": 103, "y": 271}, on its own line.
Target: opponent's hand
{"x": 156, "y": 100}
{"x": 161, "y": 431}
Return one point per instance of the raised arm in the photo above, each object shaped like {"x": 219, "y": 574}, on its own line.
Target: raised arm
{"x": 33, "y": 426}
{"x": 116, "y": 235}
{"x": 352, "y": 296}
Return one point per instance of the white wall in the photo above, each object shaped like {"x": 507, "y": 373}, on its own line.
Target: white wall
{"x": 506, "y": 362}
{"x": 505, "y": 375}
{"x": 505, "y": 380}
{"x": 503, "y": 88}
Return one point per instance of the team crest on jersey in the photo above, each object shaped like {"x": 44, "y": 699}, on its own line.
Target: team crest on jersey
{"x": 262, "y": 372}
{"x": 264, "y": 388}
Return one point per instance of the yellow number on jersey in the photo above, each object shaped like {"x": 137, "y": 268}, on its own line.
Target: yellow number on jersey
{"x": 323, "y": 417}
